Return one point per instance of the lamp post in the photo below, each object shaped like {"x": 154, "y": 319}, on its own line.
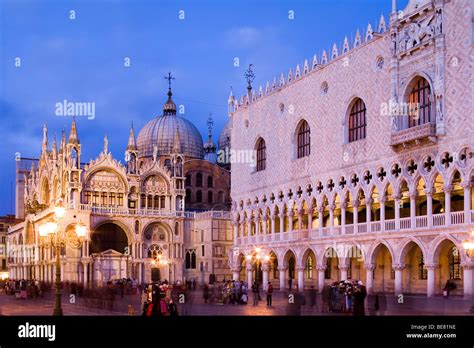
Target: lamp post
{"x": 51, "y": 234}
{"x": 257, "y": 257}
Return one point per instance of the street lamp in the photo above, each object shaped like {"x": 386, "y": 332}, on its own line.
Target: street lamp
{"x": 258, "y": 257}
{"x": 52, "y": 235}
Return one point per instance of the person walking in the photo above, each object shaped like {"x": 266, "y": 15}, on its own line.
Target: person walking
{"x": 359, "y": 300}
{"x": 269, "y": 294}
{"x": 256, "y": 295}
{"x": 290, "y": 282}
{"x": 312, "y": 296}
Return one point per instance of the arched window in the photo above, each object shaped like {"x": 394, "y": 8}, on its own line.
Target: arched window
{"x": 420, "y": 103}
{"x": 309, "y": 267}
{"x": 261, "y": 155}
{"x": 357, "y": 121}
{"x": 188, "y": 196}
{"x": 137, "y": 226}
{"x": 188, "y": 180}
{"x": 422, "y": 272}
{"x": 198, "y": 180}
{"x": 210, "y": 197}
{"x": 304, "y": 140}
{"x": 199, "y": 196}
{"x": 454, "y": 263}
{"x": 220, "y": 197}
{"x": 327, "y": 271}
{"x": 210, "y": 181}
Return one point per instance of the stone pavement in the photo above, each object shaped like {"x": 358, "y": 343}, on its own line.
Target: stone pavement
{"x": 194, "y": 305}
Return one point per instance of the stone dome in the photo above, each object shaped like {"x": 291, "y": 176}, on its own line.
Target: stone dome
{"x": 224, "y": 138}
{"x": 162, "y": 132}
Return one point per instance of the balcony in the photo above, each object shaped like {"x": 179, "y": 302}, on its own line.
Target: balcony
{"x": 414, "y": 135}
{"x": 136, "y": 212}
{"x": 421, "y": 223}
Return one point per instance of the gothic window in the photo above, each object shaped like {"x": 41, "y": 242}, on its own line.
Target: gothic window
{"x": 95, "y": 198}
{"x": 419, "y": 103}
{"x": 103, "y": 198}
{"x": 188, "y": 180}
{"x": 304, "y": 140}
{"x": 210, "y": 181}
{"x": 422, "y": 272}
{"x": 210, "y": 196}
{"x": 454, "y": 264}
{"x": 309, "y": 267}
{"x": 357, "y": 121}
{"x": 162, "y": 202}
{"x": 261, "y": 155}
{"x": 198, "y": 180}
{"x": 156, "y": 202}
{"x": 327, "y": 271}
{"x": 199, "y": 196}
{"x": 87, "y": 197}
{"x": 143, "y": 201}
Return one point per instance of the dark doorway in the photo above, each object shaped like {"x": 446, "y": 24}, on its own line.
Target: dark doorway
{"x": 155, "y": 275}
{"x": 109, "y": 236}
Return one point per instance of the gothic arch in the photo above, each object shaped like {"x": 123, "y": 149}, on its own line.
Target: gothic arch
{"x": 406, "y": 246}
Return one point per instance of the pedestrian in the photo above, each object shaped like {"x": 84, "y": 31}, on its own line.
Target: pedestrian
{"x": 290, "y": 282}
{"x": 173, "y": 309}
{"x": 194, "y": 284}
{"x": 269, "y": 294}
{"x": 206, "y": 293}
{"x": 360, "y": 293}
{"x": 312, "y": 296}
{"x": 326, "y": 298}
{"x": 256, "y": 295}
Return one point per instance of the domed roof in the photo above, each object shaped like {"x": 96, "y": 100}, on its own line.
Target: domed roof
{"x": 162, "y": 131}
{"x": 224, "y": 138}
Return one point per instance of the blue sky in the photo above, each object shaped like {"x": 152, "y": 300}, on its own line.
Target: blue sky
{"x": 83, "y": 60}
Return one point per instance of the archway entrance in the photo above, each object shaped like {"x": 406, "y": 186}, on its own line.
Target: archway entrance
{"x": 109, "y": 236}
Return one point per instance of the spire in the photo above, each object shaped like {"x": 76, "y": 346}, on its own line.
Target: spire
{"x": 45, "y": 138}
{"x": 170, "y": 107}
{"x": 63, "y": 141}
{"x": 249, "y": 76}
{"x": 106, "y": 145}
{"x": 382, "y": 25}
{"x": 394, "y": 6}
{"x": 345, "y": 48}
{"x": 210, "y": 124}
{"x": 209, "y": 146}
{"x": 131, "y": 140}
{"x": 32, "y": 170}
{"x": 55, "y": 147}
{"x": 73, "y": 138}
{"x": 177, "y": 142}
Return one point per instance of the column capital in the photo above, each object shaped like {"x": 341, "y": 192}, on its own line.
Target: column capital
{"x": 383, "y": 199}
{"x": 265, "y": 267}
{"x": 249, "y": 267}
{"x": 396, "y": 196}
{"x": 398, "y": 266}
{"x": 467, "y": 266}
{"x": 369, "y": 266}
{"x": 236, "y": 269}
{"x": 343, "y": 205}
{"x": 332, "y": 206}
{"x": 320, "y": 209}
{"x": 355, "y": 203}
{"x": 282, "y": 268}
{"x": 431, "y": 266}
{"x": 300, "y": 268}
{"x": 447, "y": 188}
{"x": 321, "y": 268}
{"x": 343, "y": 267}
{"x": 413, "y": 195}
{"x": 466, "y": 185}
{"x": 369, "y": 201}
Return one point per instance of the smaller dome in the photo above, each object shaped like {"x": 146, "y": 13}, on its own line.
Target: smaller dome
{"x": 224, "y": 138}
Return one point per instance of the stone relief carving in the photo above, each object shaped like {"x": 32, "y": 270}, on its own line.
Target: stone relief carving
{"x": 414, "y": 34}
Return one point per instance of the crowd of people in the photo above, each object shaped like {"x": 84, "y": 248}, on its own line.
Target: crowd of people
{"x": 344, "y": 296}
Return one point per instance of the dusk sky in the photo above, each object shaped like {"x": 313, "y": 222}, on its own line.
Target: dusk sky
{"x": 82, "y": 60}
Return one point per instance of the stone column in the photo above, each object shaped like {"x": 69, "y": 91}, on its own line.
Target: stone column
{"x": 249, "y": 226}
{"x": 331, "y": 218}
{"x": 382, "y": 202}
{"x": 398, "y": 278}
{"x": 429, "y": 206}
{"x": 272, "y": 225}
{"x": 290, "y": 220}
{"x": 300, "y": 271}
{"x": 369, "y": 277}
{"x": 265, "y": 269}
{"x": 320, "y": 220}
{"x": 282, "y": 222}
{"x": 413, "y": 210}
{"x": 468, "y": 279}
{"x": 467, "y": 202}
{"x": 355, "y": 214}
{"x": 397, "y": 210}
{"x": 236, "y": 274}
{"x": 250, "y": 269}
{"x": 236, "y": 231}
{"x": 257, "y": 225}
{"x": 431, "y": 279}
{"x": 282, "y": 277}
{"x": 343, "y": 217}
{"x": 368, "y": 212}
{"x": 321, "y": 277}
{"x": 264, "y": 224}
{"x": 447, "y": 204}
{"x": 343, "y": 268}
